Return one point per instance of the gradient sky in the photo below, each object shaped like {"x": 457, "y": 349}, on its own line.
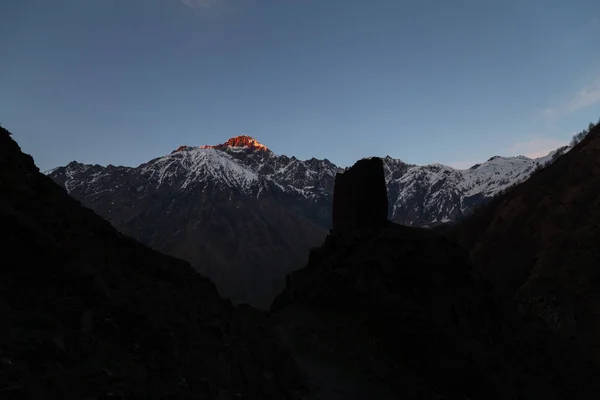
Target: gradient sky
{"x": 456, "y": 82}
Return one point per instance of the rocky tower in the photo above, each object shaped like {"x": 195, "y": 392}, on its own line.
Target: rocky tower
{"x": 360, "y": 197}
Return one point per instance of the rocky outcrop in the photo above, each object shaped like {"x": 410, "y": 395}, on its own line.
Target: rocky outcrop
{"x": 88, "y": 313}
{"x": 182, "y": 148}
{"x": 243, "y": 141}
{"x": 360, "y": 197}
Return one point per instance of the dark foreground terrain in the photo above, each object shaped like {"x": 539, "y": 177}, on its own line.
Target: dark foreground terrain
{"x": 88, "y": 313}
{"x": 380, "y": 311}
{"x": 403, "y": 313}
{"x": 539, "y": 244}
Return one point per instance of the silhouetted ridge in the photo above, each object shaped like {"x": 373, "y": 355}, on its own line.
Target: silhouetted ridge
{"x": 360, "y": 197}
{"x": 88, "y": 313}
{"x": 399, "y": 310}
{"x": 538, "y": 244}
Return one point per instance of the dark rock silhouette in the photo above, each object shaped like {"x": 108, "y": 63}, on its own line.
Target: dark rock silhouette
{"x": 360, "y": 197}
{"x": 539, "y": 244}
{"x": 403, "y": 314}
{"x": 88, "y": 313}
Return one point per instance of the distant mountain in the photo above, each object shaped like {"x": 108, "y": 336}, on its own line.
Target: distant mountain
{"x": 88, "y": 313}
{"x": 430, "y": 195}
{"x": 240, "y": 214}
{"x": 245, "y": 216}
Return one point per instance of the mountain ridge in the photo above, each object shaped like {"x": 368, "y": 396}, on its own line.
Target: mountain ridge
{"x": 215, "y": 205}
{"x": 550, "y": 223}
{"x": 405, "y": 313}
{"x": 244, "y": 166}
{"x": 88, "y": 313}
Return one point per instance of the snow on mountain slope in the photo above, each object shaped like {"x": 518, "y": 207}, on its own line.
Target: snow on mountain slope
{"x": 434, "y": 194}
{"x": 242, "y": 168}
{"x": 238, "y": 213}
{"x": 194, "y": 165}
{"x": 245, "y": 164}
{"x": 244, "y": 216}
{"x": 424, "y": 195}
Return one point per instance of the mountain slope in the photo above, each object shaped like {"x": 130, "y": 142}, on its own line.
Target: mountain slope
{"x": 245, "y": 216}
{"x": 538, "y": 243}
{"x": 435, "y": 194}
{"x": 398, "y": 312}
{"x": 242, "y": 217}
{"x": 89, "y": 313}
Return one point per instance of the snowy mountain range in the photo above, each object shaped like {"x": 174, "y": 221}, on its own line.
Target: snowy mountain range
{"x": 246, "y": 216}
{"x": 435, "y": 194}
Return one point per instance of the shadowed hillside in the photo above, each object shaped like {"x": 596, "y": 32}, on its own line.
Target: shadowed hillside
{"x": 88, "y": 313}
{"x": 398, "y": 312}
{"x": 538, "y": 243}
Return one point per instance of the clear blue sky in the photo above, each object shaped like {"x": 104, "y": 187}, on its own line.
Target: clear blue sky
{"x": 456, "y": 82}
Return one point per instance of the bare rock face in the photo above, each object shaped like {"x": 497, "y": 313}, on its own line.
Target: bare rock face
{"x": 360, "y": 197}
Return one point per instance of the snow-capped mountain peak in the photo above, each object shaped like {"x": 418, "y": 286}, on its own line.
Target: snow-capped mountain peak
{"x": 194, "y": 165}
{"x": 234, "y": 143}
{"x": 422, "y": 195}
{"x": 242, "y": 141}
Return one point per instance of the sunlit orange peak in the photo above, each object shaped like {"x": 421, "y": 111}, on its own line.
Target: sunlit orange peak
{"x": 240, "y": 141}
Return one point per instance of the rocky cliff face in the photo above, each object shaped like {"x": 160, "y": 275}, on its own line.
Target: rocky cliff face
{"x": 398, "y": 313}
{"x": 245, "y": 216}
{"x": 88, "y": 313}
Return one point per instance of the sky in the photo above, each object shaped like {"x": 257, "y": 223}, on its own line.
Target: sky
{"x": 455, "y": 82}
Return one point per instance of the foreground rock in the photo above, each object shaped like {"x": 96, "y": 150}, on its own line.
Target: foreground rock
{"x": 399, "y": 313}
{"x": 88, "y": 313}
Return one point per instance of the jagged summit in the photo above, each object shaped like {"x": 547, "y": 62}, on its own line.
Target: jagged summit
{"x": 242, "y": 141}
